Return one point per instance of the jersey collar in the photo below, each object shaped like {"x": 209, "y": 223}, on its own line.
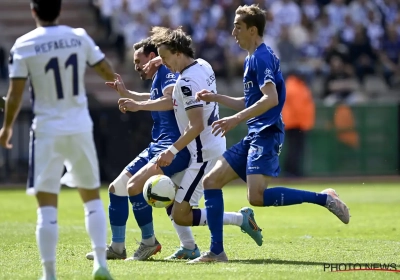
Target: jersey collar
{"x": 190, "y": 65}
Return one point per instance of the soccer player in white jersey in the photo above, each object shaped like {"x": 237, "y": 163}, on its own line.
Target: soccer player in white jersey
{"x": 194, "y": 119}
{"x": 54, "y": 58}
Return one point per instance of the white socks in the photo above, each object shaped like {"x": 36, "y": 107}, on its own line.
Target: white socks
{"x": 185, "y": 235}
{"x": 149, "y": 241}
{"x": 95, "y": 220}
{"x": 46, "y": 238}
{"x": 230, "y": 218}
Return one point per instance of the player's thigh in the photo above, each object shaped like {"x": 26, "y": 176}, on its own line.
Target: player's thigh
{"x": 136, "y": 182}
{"x": 190, "y": 188}
{"x": 236, "y": 157}
{"x": 120, "y": 185}
{"x": 81, "y": 162}
{"x": 45, "y": 168}
{"x": 263, "y": 162}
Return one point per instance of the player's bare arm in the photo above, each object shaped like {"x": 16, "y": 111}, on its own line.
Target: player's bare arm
{"x": 195, "y": 127}
{"x": 266, "y": 102}
{"x": 12, "y": 107}
{"x": 235, "y": 103}
{"x": 163, "y": 103}
{"x": 119, "y": 86}
{"x": 104, "y": 70}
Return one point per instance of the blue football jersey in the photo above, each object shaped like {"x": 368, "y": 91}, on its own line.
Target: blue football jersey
{"x": 260, "y": 68}
{"x": 165, "y": 128}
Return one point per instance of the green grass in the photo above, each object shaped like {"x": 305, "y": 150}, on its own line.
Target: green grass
{"x": 297, "y": 239}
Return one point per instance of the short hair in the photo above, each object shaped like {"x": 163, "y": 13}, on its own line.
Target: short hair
{"x": 47, "y": 10}
{"x": 253, "y": 15}
{"x": 176, "y": 40}
{"x": 147, "y": 45}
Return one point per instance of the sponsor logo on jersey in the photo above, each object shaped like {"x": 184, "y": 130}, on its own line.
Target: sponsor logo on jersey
{"x": 186, "y": 90}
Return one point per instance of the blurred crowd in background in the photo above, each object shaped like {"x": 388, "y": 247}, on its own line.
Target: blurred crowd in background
{"x": 336, "y": 39}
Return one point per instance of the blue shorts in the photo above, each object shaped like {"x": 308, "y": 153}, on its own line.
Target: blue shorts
{"x": 257, "y": 153}
{"x": 180, "y": 162}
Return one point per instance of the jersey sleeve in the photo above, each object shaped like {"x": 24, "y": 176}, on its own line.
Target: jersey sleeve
{"x": 94, "y": 53}
{"x": 17, "y": 64}
{"x": 188, "y": 89}
{"x": 264, "y": 68}
{"x": 168, "y": 80}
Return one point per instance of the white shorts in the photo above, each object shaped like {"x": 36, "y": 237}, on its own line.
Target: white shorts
{"x": 49, "y": 155}
{"x": 190, "y": 182}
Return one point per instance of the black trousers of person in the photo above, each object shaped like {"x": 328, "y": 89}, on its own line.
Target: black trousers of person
{"x": 294, "y": 154}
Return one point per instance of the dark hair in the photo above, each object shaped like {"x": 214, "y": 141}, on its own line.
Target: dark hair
{"x": 253, "y": 16}
{"x": 147, "y": 45}
{"x": 176, "y": 41}
{"x": 47, "y": 10}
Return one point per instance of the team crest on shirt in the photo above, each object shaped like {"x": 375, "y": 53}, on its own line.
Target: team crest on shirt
{"x": 170, "y": 76}
{"x": 268, "y": 74}
{"x": 255, "y": 151}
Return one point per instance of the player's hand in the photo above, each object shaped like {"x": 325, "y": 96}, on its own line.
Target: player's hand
{"x": 205, "y": 95}
{"x": 152, "y": 64}
{"x": 5, "y": 136}
{"x": 165, "y": 158}
{"x": 118, "y": 85}
{"x": 224, "y": 125}
{"x": 127, "y": 104}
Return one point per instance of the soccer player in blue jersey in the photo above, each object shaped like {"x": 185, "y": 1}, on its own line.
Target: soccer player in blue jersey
{"x": 164, "y": 133}
{"x": 255, "y": 159}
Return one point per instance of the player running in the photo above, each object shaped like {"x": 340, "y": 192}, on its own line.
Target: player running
{"x": 54, "y": 58}
{"x": 194, "y": 120}
{"x": 256, "y": 158}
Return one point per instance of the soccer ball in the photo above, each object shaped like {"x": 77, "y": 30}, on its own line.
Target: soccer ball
{"x": 159, "y": 191}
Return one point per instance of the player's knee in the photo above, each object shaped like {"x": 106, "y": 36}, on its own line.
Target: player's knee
{"x": 118, "y": 187}
{"x": 255, "y": 196}
{"x": 210, "y": 181}
{"x": 134, "y": 188}
{"x": 181, "y": 220}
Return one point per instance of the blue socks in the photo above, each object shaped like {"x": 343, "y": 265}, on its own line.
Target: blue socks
{"x": 118, "y": 212}
{"x": 281, "y": 196}
{"x": 215, "y": 216}
{"x": 143, "y": 215}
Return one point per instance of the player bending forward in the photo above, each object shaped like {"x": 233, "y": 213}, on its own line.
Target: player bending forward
{"x": 54, "y": 57}
{"x": 164, "y": 133}
{"x": 256, "y": 158}
{"x": 194, "y": 120}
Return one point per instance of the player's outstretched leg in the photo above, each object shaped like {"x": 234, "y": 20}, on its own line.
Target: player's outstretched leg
{"x": 280, "y": 196}
{"x": 188, "y": 249}
{"x": 244, "y": 219}
{"x": 118, "y": 212}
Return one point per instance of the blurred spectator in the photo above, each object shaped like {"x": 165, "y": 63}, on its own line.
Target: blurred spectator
{"x": 287, "y": 51}
{"x": 340, "y": 84}
{"x": 299, "y": 117}
{"x": 390, "y": 56}
{"x": 213, "y": 53}
{"x": 336, "y": 11}
{"x": 361, "y": 54}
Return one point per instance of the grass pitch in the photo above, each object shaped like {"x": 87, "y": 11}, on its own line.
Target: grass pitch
{"x": 298, "y": 240}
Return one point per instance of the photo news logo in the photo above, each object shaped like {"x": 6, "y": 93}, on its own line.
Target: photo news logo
{"x": 347, "y": 267}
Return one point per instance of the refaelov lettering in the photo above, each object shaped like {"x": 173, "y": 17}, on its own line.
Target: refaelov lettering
{"x": 56, "y": 45}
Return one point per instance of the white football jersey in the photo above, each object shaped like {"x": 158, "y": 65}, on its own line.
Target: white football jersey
{"x": 54, "y": 59}
{"x": 198, "y": 76}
